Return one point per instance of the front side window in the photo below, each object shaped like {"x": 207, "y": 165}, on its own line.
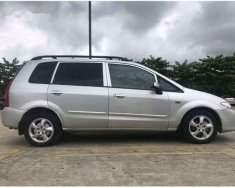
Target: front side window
{"x": 42, "y": 74}
{"x": 129, "y": 77}
{"x": 167, "y": 86}
{"x": 79, "y": 74}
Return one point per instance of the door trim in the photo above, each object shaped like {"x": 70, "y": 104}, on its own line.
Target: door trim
{"x": 85, "y": 112}
{"x": 140, "y": 115}
{"x": 53, "y": 75}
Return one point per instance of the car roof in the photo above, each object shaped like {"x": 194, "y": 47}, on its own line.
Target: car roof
{"x": 81, "y": 56}
{"x": 80, "y": 60}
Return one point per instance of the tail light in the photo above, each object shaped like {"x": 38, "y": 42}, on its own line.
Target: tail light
{"x": 6, "y": 97}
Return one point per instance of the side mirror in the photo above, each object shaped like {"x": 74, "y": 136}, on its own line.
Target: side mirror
{"x": 156, "y": 87}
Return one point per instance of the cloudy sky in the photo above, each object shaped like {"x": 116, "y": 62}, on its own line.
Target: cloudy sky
{"x": 172, "y": 30}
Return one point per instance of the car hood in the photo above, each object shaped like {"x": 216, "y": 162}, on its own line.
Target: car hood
{"x": 203, "y": 96}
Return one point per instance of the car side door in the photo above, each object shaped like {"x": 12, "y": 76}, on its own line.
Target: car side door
{"x": 132, "y": 101}
{"x": 79, "y": 93}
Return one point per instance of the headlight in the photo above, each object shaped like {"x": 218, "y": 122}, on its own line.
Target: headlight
{"x": 226, "y": 104}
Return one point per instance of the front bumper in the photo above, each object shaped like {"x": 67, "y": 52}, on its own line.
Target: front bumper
{"x": 11, "y": 117}
{"x": 227, "y": 118}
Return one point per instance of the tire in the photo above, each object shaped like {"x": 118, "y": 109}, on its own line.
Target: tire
{"x": 45, "y": 135}
{"x": 200, "y": 127}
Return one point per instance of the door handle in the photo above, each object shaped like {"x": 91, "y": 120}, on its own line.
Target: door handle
{"x": 120, "y": 95}
{"x": 56, "y": 93}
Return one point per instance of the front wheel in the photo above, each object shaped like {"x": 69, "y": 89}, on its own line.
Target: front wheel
{"x": 42, "y": 129}
{"x": 200, "y": 126}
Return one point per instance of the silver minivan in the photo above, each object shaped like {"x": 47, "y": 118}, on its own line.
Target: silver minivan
{"x": 52, "y": 94}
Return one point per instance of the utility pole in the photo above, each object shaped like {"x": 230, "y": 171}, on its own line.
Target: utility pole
{"x": 90, "y": 44}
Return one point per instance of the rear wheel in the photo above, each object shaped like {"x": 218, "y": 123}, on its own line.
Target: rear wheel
{"x": 42, "y": 129}
{"x": 200, "y": 126}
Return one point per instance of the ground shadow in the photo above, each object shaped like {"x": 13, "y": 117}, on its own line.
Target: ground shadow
{"x": 119, "y": 137}
{"x": 96, "y": 138}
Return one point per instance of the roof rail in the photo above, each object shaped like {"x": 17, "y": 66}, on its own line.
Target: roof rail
{"x": 80, "y": 56}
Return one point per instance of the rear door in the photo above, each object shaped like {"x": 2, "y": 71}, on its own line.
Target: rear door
{"x": 132, "y": 102}
{"x": 77, "y": 92}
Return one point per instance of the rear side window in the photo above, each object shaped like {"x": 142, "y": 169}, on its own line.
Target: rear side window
{"x": 42, "y": 73}
{"x": 79, "y": 74}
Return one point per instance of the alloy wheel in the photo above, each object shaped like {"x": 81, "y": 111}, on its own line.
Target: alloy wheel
{"x": 41, "y": 130}
{"x": 201, "y": 127}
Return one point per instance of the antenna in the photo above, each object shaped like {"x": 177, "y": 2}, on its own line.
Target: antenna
{"x": 90, "y": 39}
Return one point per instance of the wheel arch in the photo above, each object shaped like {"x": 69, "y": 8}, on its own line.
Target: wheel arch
{"x": 206, "y": 109}
{"x": 36, "y": 110}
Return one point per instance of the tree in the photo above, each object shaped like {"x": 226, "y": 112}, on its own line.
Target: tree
{"x": 7, "y": 72}
{"x": 182, "y": 73}
{"x": 158, "y": 64}
{"x": 214, "y": 75}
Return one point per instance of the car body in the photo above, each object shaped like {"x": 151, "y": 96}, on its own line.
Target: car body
{"x": 231, "y": 100}
{"x": 98, "y": 94}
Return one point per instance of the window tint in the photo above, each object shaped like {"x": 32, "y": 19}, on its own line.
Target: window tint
{"x": 167, "y": 86}
{"x": 129, "y": 77}
{"x": 42, "y": 73}
{"x": 79, "y": 74}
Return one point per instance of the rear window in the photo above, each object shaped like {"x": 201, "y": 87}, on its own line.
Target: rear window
{"x": 42, "y": 74}
{"x": 79, "y": 74}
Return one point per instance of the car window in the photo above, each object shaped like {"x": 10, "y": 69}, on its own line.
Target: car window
{"x": 167, "y": 86}
{"x": 79, "y": 74}
{"x": 42, "y": 73}
{"x": 130, "y": 77}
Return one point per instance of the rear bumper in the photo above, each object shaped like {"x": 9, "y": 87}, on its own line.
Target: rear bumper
{"x": 227, "y": 119}
{"x": 11, "y": 117}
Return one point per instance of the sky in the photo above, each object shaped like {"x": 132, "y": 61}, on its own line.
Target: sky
{"x": 174, "y": 31}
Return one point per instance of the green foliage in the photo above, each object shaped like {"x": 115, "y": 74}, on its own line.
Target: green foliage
{"x": 157, "y": 64}
{"x": 182, "y": 73}
{"x": 7, "y": 72}
{"x": 214, "y": 75}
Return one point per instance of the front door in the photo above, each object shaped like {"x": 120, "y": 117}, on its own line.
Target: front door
{"x": 77, "y": 93}
{"x": 132, "y": 102}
